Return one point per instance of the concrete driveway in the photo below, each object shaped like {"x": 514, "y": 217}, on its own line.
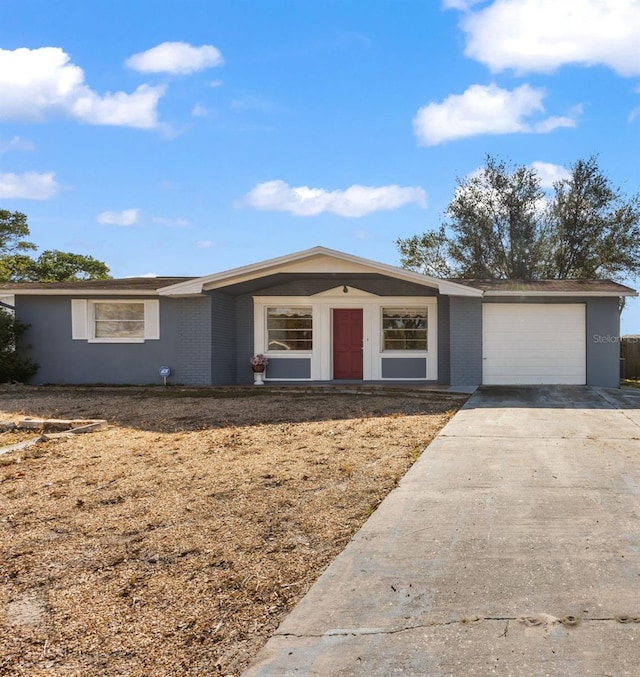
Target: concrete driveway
{"x": 512, "y": 547}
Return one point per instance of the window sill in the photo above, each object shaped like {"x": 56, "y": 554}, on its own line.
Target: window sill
{"x": 94, "y": 340}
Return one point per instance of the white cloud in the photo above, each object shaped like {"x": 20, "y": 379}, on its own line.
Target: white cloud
{"x": 38, "y": 83}
{"x": 215, "y": 83}
{"x": 204, "y": 244}
{"x": 127, "y": 110}
{"x": 127, "y": 217}
{"x": 200, "y": 111}
{"x": 550, "y": 173}
{"x": 171, "y": 223}
{"x": 16, "y": 143}
{"x": 28, "y": 186}
{"x": 484, "y": 109}
{"x": 542, "y": 35}
{"x": 554, "y": 122}
{"x": 177, "y": 58}
{"x": 462, "y": 5}
{"x": 353, "y": 202}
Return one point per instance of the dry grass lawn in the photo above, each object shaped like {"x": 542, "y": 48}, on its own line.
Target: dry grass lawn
{"x": 175, "y": 541}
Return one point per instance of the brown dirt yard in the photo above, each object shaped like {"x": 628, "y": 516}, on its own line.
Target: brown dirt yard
{"x": 174, "y": 541}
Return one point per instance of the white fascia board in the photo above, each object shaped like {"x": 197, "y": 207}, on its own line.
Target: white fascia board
{"x": 455, "y": 289}
{"x": 281, "y": 264}
{"x": 557, "y": 294}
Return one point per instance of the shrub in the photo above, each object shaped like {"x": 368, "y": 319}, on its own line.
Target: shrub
{"x": 14, "y": 366}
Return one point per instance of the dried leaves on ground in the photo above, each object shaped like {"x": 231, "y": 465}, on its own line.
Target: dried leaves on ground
{"x": 175, "y": 541}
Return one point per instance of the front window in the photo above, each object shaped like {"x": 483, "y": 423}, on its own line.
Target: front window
{"x": 404, "y": 329}
{"x": 289, "y": 328}
{"x": 118, "y": 320}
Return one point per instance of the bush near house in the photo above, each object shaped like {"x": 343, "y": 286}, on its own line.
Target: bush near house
{"x": 13, "y": 365}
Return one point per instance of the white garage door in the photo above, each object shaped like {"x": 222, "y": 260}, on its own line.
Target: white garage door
{"x": 533, "y": 343}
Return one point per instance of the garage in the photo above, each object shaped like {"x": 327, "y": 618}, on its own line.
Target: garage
{"x": 533, "y": 343}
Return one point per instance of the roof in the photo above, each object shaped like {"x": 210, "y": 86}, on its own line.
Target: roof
{"x": 314, "y": 260}
{"x": 550, "y": 287}
{"x": 318, "y": 260}
{"x": 128, "y": 285}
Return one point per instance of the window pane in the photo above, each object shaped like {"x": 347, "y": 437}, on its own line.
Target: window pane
{"x": 119, "y": 311}
{"x": 115, "y": 329}
{"x": 404, "y": 329}
{"x": 119, "y": 320}
{"x": 289, "y": 328}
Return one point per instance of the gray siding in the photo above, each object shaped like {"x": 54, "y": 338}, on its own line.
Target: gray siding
{"x": 291, "y": 368}
{"x": 64, "y": 360}
{"x": 244, "y": 334}
{"x": 376, "y": 285}
{"x": 603, "y": 343}
{"x": 223, "y": 339}
{"x": 465, "y": 340}
{"x": 193, "y": 350}
{"x": 404, "y": 367}
{"x": 602, "y": 331}
{"x": 443, "y": 340}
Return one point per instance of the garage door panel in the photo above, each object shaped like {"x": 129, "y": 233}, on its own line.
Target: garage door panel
{"x": 531, "y": 344}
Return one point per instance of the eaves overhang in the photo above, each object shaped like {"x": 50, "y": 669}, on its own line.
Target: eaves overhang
{"x": 559, "y": 294}
{"x": 79, "y": 291}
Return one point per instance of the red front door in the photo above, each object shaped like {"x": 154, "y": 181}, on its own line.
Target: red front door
{"x": 347, "y": 344}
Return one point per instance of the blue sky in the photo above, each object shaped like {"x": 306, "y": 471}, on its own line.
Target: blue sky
{"x": 191, "y": 137}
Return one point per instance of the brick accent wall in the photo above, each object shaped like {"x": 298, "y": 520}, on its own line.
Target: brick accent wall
{"x": 194, "y": 341}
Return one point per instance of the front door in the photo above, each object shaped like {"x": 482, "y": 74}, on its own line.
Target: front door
{"x": 347, "y": 344}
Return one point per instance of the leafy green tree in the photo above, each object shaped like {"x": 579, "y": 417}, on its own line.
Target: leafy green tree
{"x": 14, "y": 366}
{"x": 502, "y": 225}
{"x": 13, "y": 230}
{"x": 56, "y": 266}
{"x": 593, "y": 229}
{"x": 51, "y": 265}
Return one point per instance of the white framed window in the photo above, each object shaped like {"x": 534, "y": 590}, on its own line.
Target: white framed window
{"x": 289, "y": 328}
{"x": 115, "y": 320}
{"x": 405, "y": 329}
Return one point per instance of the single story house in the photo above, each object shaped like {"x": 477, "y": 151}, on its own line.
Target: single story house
{"x": 323, "y": 316}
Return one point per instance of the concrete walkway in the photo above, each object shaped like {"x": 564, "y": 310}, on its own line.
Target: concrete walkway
{"x": 512, "y": 547}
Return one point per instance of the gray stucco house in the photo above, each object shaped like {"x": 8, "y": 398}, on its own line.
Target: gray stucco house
{"x": 323, "y": 316}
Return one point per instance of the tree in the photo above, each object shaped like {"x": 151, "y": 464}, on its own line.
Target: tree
{"x": 51, "y": 266}
{"x": 13, "y": 230}
{"x": 503, "y": 226}
{"x": 13, "y": 365}
{"x": 593, "y": 229}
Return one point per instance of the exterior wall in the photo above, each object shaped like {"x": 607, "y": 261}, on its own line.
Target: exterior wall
{"x": 444, "y": 347}
{"x": 603, "y": 335}
{"x": 244, "y": 343}
{"x": 222, "y": 349}
{"x": 603, "y": 343}
{"x": 378, "y": 286}
{"x": 305, "y": 287}
{"x": 64, "y": 360}
{"x": 465, "y": 340}
{"x": 192, "y": 354}
{"x": 407, "y": 367}
{"x": 289, "y": 369}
